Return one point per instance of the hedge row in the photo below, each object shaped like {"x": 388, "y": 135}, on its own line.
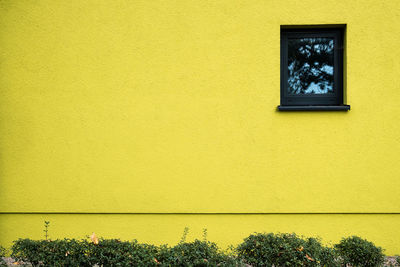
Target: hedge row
{"x": 258, "y": 249}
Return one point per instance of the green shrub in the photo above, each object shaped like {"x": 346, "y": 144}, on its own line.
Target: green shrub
{"x": 285, "y": 250}
{"x": 122, "y": 253}
{"x": 329, "y": 257}
{"x": 257, "y": 249}
{"x": 360, "y": 252}
{"x": 67, "y": 252}
{"x": 70, "y": 252}
{"x": 27, "y": 250}
{"x": 197, "y": 253}
{"x": 2, "y": 254}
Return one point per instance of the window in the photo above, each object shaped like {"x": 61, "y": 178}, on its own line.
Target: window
{"x": 312, "y": 69}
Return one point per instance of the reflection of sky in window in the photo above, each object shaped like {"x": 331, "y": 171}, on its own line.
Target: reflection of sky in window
{"x": 315, "y": 88}
{"x": 310, "y": 66}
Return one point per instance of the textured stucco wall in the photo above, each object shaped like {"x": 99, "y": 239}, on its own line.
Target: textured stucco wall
{"x": 225, "y": 229}
{"x": 144, "y": 107}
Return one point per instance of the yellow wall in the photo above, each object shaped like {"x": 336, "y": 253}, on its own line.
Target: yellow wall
{"x": 141, "y": 107}
{"x": 226, "y": 229}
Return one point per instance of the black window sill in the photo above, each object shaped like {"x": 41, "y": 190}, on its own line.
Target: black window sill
{"x": 314, "y": 108}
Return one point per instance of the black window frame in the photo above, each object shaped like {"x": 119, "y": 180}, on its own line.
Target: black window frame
{"x": 331, "y": 101}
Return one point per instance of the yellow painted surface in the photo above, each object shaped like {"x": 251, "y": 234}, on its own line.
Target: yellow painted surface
{"x": 170, "y": 107}
{"x": 225, "y": 229}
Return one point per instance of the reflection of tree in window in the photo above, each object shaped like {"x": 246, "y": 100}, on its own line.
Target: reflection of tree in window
{"x": 310, "y": 64}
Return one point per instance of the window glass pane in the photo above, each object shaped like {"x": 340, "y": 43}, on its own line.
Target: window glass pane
{"x": 310, "y": 65}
